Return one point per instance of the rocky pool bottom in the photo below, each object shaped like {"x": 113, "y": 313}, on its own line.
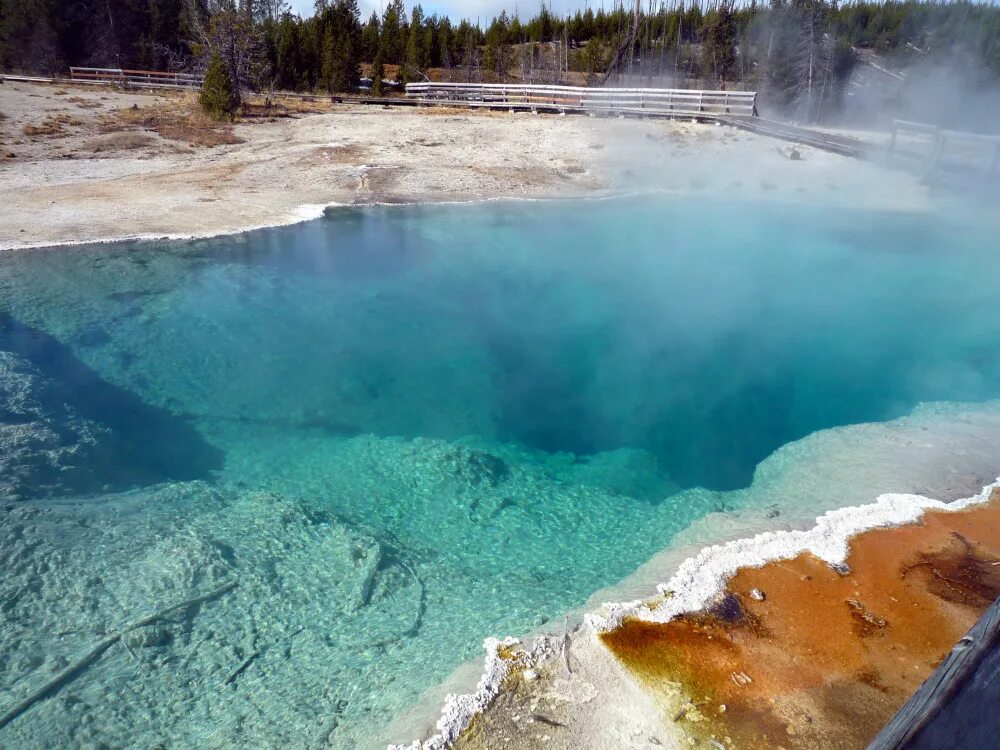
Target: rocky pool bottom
{"x": 271, "y": 489}
{"x": 817, "y": 645}
{"x": 799, "y": 654}
{"x": 264, "y": 663}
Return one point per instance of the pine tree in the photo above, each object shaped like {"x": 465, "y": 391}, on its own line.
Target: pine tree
{"x": 220, "y": 97}
{"x": 378, "y": 73}
{"x": 287, "y": 58}
{"x": 718, "y": 49}
{"x": 392, "y": 41}
{"x": 445, "y": 44}
{"x": 800, "y": 52}
{"x": 310, "y": 54}
{"x": 416, "y": 58}
{"x": 29, "y": 39}
{"x": 341, "y": 47}
{"x": 370, "y": 39}
{"x": 428, "y": 42}
{"x": 498, "y": 55}
{"x": 329, "y": 62}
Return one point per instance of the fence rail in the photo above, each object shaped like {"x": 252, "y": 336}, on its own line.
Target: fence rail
{"x": 582, "y": 99}
{"x": 150, "y": 78}
{"x": 939, "y": 149}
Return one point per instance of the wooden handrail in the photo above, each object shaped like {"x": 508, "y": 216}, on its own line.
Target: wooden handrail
{"x": 585, "y": 99}
{"x": 157, "y": 78}
{"x": 987, "y": 145}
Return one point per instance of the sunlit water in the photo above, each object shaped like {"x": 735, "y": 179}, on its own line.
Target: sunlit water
{"x": 399, "y": 430}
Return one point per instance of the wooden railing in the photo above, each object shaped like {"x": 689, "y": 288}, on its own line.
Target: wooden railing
{"x": 949, "y": 149}
{"x": 683, "y": 102}
{"x": 148, "y": 78}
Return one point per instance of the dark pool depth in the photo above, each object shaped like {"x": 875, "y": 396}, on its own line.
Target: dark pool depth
{"x": 470, "y": 418}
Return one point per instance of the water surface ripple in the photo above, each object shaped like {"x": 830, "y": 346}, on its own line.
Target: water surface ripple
{"x": 399, "y": 430}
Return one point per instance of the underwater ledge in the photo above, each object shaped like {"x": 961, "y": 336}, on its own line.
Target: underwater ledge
{"x": 722, "y": 525}
{"x": 620, "y": 668}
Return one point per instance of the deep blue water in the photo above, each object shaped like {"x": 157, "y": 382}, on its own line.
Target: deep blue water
{"x": 651, "y": 326}
{"x": 506, "y": 397}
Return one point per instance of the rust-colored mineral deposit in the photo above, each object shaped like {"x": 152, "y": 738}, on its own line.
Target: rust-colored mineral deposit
{"x": 825, "y": 658}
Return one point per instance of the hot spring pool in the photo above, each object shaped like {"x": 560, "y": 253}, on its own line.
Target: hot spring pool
{"x": 398, "y": 430}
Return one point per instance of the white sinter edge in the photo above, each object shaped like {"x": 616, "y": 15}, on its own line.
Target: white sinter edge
{"x": 459, "y": 709}
{"x": 298, "y": 215}
{"x": 698, "y": 581}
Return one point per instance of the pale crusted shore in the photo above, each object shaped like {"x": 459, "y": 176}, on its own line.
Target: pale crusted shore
{"x": 80, "y": 184}
{"x": 587, "y": 697}
{"x": 284, "y": 171}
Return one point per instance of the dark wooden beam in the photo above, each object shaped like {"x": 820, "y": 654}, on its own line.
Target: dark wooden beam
{"x": 941, "y": 687}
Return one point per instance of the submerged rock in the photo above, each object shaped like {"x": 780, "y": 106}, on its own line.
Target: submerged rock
{"x": 66, "y": 431}
{"x": 290, "y": 578}
{"x": 45, "y": 445}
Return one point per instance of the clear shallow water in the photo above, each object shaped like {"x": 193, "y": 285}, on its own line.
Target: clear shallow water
{"x": 403, "y": 429}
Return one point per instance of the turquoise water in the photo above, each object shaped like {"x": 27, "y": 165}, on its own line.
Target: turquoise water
{"x": 402, "y": 429}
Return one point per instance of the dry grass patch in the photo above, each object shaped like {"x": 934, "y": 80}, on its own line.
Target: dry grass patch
{"x": 124, "y": 141}
{"x": 84, "y": 103}
{"x": 391, "y": 71}
{"x": 51, "y": 126}
{"x": 304, "y": 106}
{"x": 349, "y": 154}
{"x": 180, "y": 120}
{"x": 260, "y": 108}
{"x": 459, "y": 111}
{"x": 195, "y": 134}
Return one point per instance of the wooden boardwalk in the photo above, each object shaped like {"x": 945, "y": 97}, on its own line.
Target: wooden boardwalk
{"x": 932, "y": 150}
{"x": 589, "y": 100}
{"x": 958, "y": 706}
{"x": 734, "y": 108}
{"x": 838, "y": 144}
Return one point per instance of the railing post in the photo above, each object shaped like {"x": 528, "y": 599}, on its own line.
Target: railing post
{"x": 611, "y": 101}
{"x": 937, "y": 151}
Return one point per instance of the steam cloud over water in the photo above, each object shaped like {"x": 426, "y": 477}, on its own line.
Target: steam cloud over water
{"x": 399, "y": 443}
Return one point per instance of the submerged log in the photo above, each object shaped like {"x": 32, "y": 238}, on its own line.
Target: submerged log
{"x": 73, "y": 671}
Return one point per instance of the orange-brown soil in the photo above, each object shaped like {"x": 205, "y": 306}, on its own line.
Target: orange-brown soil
{"x": 827, "y": 657}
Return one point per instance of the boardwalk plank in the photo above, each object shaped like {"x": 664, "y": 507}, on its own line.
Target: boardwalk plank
{"x": 961, "y": 697}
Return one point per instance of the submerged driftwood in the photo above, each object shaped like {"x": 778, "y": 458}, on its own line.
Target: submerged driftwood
{"x": 73, "y": 671}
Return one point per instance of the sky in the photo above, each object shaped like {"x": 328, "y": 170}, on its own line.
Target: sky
{"x": 458, "y": 9}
